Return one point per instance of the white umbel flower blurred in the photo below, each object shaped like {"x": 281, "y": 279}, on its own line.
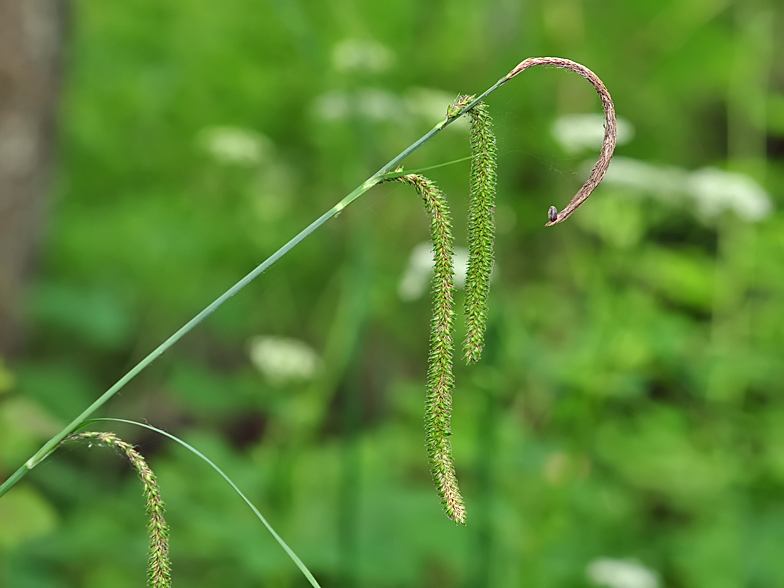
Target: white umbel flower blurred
{"x": 357, "y": 55}
{"x": 713, "y": 191}
{"x": 621, "y": 573}
{"x": 577, "y": 132}
{"x": 375, "y": 104}
{"x": 283, "y": 360}
{"x": 416, "y": 277}
{"x": 369, "y": 103}
{"x": 716, "y": 190}
{"x": 430, "y": 105}
{"x": 662, "y": 182}
{"x": 234, "y": 145}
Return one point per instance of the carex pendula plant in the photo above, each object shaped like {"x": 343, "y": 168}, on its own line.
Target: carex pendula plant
{"x": 440, "y": 377}
{"x": 158, "y": 564}
{"x": 481, "y": 229}
{"x": 440, "y": 380}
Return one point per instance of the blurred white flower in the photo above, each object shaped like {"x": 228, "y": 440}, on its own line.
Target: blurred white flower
{"x": 713, "y": 191}
{"x": 378, "y": 104}
{"x": 283, "y": 360}
{"x": 358, "y": 55}
{"x": 576, "y": 132}
{"x": 426, "y": 104}
{"x": 416, "y": 277}
{"x": 621, "y": 573}
{"x": 370, "y": 103}
{"x": 234, "y": 145}
{"x": 332, "y": 106}
{"x": 662, "y": 182}
{"x": 716, "y": 190}
{"x": 430, "y": 105}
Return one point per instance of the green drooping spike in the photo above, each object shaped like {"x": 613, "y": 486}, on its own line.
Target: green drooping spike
{"x": 481, "y": 229}
{"x": 159, "y": 564}
{"x": 440, "y": 380}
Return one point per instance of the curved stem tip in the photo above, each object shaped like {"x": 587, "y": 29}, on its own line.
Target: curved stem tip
{"x": 608, "y": 144}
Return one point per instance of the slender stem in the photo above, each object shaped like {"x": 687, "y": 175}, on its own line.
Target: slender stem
{"x": 596, "y": 176}
{"x": 51, "y": 445}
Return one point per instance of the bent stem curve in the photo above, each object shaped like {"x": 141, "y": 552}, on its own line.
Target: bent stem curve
{"x": 452, "y": 115}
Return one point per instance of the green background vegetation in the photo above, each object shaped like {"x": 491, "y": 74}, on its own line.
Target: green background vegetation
{"x": 630, "y": 401}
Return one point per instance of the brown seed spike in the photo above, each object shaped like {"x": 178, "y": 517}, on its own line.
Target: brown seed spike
{"x": 608, "y": 145}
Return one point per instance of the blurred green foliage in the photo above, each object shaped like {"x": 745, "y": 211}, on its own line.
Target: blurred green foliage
{"x": 630, "y": 402}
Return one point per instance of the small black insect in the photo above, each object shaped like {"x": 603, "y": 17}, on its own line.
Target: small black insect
{"x": 552, "y": 214}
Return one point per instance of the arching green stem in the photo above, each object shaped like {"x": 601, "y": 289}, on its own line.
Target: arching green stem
{"x": 453, "y": 114}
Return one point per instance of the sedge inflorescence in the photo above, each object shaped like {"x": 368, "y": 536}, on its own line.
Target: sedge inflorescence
{"x": 158, "y": 566}
{"x": 481, "y": 229}
{"x": 440, "y": 377}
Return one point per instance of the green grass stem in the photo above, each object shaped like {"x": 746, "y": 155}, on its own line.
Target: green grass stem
{"x": 297, "y": 561}
{"x": 452, "y": 115}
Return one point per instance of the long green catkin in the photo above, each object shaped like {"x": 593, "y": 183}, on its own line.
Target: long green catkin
{"x": 440, "y": 380}
{"x": 481, "y": 230}
{"x": 159, "y": 565}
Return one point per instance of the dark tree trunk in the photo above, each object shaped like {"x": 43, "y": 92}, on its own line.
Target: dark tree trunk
{"x": 31, "y": 35}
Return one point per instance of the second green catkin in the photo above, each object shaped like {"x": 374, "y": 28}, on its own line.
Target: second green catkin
{"x": 440, "y": 379}
{"x": 481, "y": 229}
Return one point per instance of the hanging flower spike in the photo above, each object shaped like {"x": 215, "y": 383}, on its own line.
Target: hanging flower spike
{"x": 481, "y": 230}
{"x": 158, "y": 566}
{"x": 440, "y": 381}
